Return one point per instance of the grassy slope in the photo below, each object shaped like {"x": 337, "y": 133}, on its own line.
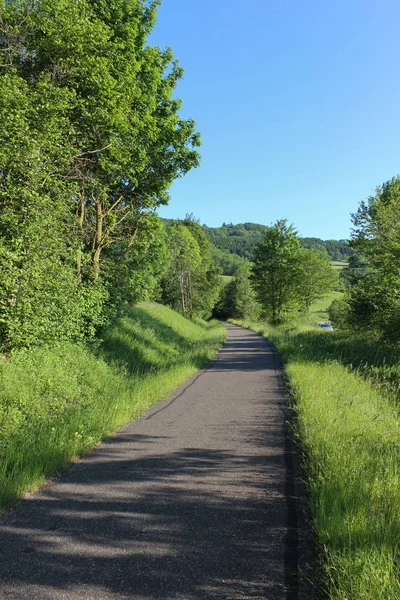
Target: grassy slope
{"x": 318, "y": 311}
{"x": 226, "y": 278}
{"x": 56, "y": 404}
{"x": 349, "y": 429}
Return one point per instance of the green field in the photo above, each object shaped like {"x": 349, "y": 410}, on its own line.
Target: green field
{"x": 318, "y": 312}
{"x": 226, "y": 278}
{"x": 336, "y": 264}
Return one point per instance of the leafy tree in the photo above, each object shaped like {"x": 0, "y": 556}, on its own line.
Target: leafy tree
{"x": 39, "y": 291}
{"x": 91, "y": 140}
{"x": 136, "y": 272}
{"x": 376, "y": 233}
{"x": 207, "y": 279}
{"x": 129, "y": 141}
{"x": 185, "y": 260}
{"x": 286, "y": 276}
{"x": 277, "y": 270}
{"x": 374, "y": 299}
{"x": 228, "y": 262}
{"x": 338, "y": 313}
{"x": 317, "y": 277}
{"x": 373, "y": 307}
{"x": 237, "y": 299}
{"x": 192, "y": 282}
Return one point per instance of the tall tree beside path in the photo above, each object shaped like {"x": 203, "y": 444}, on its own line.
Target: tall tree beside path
{"x": 237, "y": 298}
{"x": 192, "y": 282}
{"x": 185, "y": 260}
{"x": 276, "y": 271}
{"x": 207, "y": 279}
{"x": 286, "y": 276}
{"x": 374, "y": 299}
{"x": 92, "y": 140}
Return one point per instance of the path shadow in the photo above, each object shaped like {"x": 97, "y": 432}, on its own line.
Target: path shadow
{"x": 250, "y": 353}
{"x": 187, "y": 524}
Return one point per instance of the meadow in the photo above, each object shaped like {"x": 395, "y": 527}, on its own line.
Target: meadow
{"x": 226, "y": 279}
{"x": 56, "y": 404}
{"x": 344, "y": 393}
{"x": 339, "y": 264}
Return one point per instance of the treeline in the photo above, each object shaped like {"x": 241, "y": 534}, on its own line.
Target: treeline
{"x": 234, "y": 243}
{"x": 191, "y": 283}
{"x": 90, "y": 141}
{"x": 371, "y": 304}
{"x": 338, "y": 250}
{"x": 284, "y": 280}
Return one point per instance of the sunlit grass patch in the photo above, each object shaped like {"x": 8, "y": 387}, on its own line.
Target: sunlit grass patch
{"x": 348, "y": 427}
{"x": 56, "y": 404}
{"x": 351, "y": 438}
{"x": 340, "y": 264}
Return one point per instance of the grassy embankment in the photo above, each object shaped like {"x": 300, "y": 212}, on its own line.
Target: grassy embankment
{"x": 56, "y": 404}
{"x": 344, "y": 392}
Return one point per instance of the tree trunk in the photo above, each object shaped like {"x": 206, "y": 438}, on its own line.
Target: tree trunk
{"x": 182, "y": 286}
{"x": 98, "y": 240}
{"x": 81, "y": 212}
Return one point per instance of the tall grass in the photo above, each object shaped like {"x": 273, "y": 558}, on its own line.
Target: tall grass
{"x": 349, "y": 430}
{"x": 55, "y": 404}
{"x": 376, "y": 362}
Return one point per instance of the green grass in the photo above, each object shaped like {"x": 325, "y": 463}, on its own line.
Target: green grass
{"x": 318, "y": 311}
{"x": 348, "y": 425}
{"x": 226, "y": 278}
{"x": 339, "y": 264}
{"x": 56, "y": 404}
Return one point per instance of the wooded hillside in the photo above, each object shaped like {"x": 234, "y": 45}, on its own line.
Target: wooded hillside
{"x": 235, "y": 242}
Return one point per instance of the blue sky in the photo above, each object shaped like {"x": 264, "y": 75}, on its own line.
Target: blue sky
{"x": 297, "y": 103}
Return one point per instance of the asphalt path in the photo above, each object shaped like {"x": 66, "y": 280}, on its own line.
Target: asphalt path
{"x": 198, "y": 499}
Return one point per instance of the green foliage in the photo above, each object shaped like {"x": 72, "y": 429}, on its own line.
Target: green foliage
{"x": 134, "y": 275}
{"x": 241, "y": 241}
{"x": 57, "y": 403}
{"x": 185, "y": 260}
{"x": 338, "y": 313}
{"x": 229, "y": 263}
{"x": 237, "y": 299}
{"x": 374, "y": 297}
{"x": 91, "y": 140}
{"x": 288, "y": 277}
{"x": 337, "y": 250}
{"x": 192, "y": 282}
{"x": 238, "y": 240}
{"x": 317, "y": 277}
{"x": 276, "y": 271}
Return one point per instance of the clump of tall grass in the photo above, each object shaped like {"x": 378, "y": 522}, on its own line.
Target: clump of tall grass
{"x": 349, "y": 430}
{"x": 57, "y": 403}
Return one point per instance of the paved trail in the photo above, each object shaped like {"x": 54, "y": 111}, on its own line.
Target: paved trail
{"x": 195, "y": 500}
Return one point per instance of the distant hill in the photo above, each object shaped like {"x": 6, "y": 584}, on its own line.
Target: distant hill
{"x": 236, "y": 239}
{"x": 338, "y": 250}
{"x": 234, "y": 244}
{"x": 233, "y": 241}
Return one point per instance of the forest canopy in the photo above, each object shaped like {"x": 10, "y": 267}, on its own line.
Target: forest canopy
{"x": 91, "y": 140}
